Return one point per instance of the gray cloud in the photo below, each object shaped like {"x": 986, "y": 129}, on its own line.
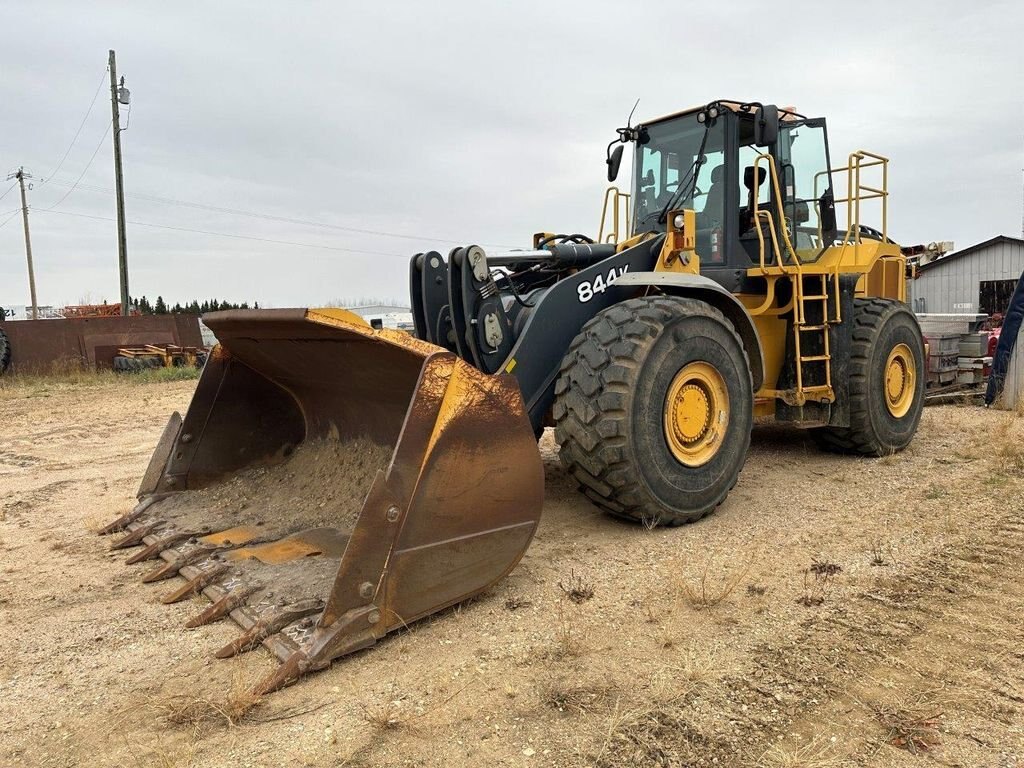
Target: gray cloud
{"x": 471, "y": 121}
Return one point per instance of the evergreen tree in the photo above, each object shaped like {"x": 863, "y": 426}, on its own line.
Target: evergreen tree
{"x": 161, "y": 307}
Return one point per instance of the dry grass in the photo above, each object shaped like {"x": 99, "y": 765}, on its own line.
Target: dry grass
{"x": 514, "y": 601}
{"x": 650, "y": 733}
{"x": 567, "y": 635}
{"x": 388, "y": 715}
{"x": 1008, "y": 445}
{"x": 203, "y": 713}
{"x": 882, "y": 553}
{"x": 62, "y": 378}
{"x": 824, "y": 567}
{"x": 161, "y": 755}
{"x": 814, "y": 754}
{"x": 913, "y": 726}
{"x": 818, "y": 581}
{"x": 573, "y": 696}
{"x": 711, "y": 590}
{"x": 577, "y": 588}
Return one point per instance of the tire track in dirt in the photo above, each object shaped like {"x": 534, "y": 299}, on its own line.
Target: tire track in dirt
{"x": 951, "y": 621}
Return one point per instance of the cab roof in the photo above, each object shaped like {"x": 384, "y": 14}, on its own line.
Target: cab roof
{"x": 785, "y": 113}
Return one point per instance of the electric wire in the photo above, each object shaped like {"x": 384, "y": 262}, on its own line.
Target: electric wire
{"x": 8, "y": 190}
{"x": 84, "y": 170}
{"x": 273, "y": 217}
{"x": 79, "y": 131}
{"x": 231, "y": 235}
{"x": 13, "y": 213}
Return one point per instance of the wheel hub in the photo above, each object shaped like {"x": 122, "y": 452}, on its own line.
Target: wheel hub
{"x": 900, "y": 380}
{"x": 696, "y": 413}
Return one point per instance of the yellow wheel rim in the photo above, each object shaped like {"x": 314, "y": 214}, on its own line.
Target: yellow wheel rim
{"x": 900, "y": 380}
{"x": 696, "y": 414}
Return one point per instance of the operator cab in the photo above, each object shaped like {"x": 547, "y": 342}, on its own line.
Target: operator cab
{"x": 713, "y": 160}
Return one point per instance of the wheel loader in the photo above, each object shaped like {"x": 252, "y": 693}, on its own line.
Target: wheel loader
{"x": 332, "y": 482}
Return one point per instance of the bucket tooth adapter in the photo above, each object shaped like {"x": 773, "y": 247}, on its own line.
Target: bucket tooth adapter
{"x": 331, "y": 483}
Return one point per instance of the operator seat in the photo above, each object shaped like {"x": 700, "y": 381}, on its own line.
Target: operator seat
{"x": 747, "y": 214}
{"x": 715, "y": 199}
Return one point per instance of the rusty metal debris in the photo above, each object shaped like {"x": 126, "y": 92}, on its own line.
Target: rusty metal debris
{"x": 331, "y": 483}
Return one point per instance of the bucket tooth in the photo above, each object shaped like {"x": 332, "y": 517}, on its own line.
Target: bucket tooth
{"x": 221, "y": 608}
{"x": 135, "y": 538}
{"x": 153, "y": 550}
{"x": 286, "y": 673}
{"x": 171, "y": 568}
{"x": 196, "y": 584}
{"x": 129, "y": 517}
{"x": 272, "y": 619}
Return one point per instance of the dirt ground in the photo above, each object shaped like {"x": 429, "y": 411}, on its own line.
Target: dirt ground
{"x": 834, "y": 611}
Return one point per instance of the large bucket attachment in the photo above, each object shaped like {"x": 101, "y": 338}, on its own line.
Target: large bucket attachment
{"x": 330, "y": 483}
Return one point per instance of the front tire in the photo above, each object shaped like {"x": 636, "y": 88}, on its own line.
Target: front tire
{"x": 653, "y": 409}
{"x": 887, "y": 377}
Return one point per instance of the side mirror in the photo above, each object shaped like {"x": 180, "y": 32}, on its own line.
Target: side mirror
{"x": 614, "y": 161}
{"x": 766, "y": 125}
{"x": 827, "y": 212}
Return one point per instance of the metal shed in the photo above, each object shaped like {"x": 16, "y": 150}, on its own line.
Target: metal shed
{"x": 980, "y": 278}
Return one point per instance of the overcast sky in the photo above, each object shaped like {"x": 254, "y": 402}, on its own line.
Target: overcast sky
{"x": 454, "y": 122}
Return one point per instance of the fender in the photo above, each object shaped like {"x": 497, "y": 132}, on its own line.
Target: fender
{"x": 706, "y": 289}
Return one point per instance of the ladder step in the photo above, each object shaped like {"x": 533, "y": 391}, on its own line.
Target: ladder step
{"x": 812, "y": 327}
{"x": 815, "y": 358}
{"x": 811, "y": 298}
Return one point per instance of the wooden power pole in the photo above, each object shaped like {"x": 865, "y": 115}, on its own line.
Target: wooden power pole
{"x": 20, "y": 175}
{"x": 122, "y": 237}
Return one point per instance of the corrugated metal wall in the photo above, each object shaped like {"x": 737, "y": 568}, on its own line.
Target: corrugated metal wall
{"x": 953, "y": 287}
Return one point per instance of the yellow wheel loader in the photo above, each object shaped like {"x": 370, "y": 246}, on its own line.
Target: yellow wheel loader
{"x": 332, "y": 482}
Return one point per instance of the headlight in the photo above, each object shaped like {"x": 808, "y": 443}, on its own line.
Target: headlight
{"x": 713, "y": 112}
{"x": 678, "y": 221}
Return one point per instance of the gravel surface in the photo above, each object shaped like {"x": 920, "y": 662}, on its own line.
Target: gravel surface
{"x": 834, "y": 611}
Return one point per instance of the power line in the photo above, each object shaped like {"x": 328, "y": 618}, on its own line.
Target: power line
{"x": 13, "y": 213}
{"x": 79, "y": 131}
{"x": 228, "y": 234}
{"x": 84, "y": 170}
{"x": 282, "y": 219}
{"x": 8, "y": 190}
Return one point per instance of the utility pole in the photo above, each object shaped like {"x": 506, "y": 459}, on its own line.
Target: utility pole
{"x": 116, "y": 95}
{"x": 20, "y": 175}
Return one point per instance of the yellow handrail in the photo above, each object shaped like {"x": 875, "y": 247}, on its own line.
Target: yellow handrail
{"x": 613, "y": 235}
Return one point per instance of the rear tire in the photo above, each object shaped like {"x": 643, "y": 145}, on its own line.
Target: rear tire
{"x": 5, "y": 352}
{"x": 653, "y": 409}
{"x": 887, "y": 376}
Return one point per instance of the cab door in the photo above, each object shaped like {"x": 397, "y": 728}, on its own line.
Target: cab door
{"x": 808, "y": 197}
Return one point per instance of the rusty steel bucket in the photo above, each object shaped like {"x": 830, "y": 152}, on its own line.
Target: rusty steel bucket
{"x": 331, "y": 483}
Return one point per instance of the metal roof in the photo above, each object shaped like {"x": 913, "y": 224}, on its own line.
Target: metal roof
{"x": 968, "y": 251}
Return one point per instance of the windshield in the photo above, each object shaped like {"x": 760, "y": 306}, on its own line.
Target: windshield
{"x": 668, "y": 163}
